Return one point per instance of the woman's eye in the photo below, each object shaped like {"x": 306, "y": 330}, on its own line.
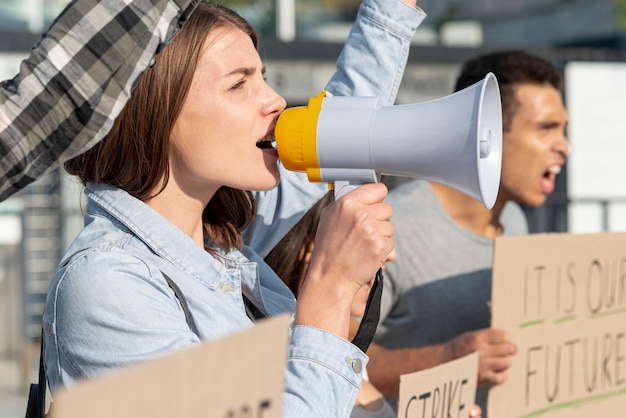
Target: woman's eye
{"x": 238, "y": 85}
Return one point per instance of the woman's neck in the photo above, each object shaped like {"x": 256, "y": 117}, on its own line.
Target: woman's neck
{"x": 182, "y": 210}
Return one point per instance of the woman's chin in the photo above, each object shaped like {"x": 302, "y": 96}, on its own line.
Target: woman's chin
{"x": 269, "y": 183}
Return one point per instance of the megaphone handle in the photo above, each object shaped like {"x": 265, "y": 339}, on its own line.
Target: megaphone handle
{"x": 342, "y": 187}
{"x": 371, "y": 316}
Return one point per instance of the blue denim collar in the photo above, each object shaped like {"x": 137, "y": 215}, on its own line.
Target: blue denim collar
{"x": 161, "y": 236}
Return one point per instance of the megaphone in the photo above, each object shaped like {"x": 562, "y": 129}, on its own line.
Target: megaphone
{"x": 346, "y": 141}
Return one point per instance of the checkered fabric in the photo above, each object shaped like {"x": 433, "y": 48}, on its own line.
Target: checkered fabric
{"x": 76, "y": 81}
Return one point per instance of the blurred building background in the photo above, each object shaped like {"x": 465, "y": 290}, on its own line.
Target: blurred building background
{"x": 300, "y": 41}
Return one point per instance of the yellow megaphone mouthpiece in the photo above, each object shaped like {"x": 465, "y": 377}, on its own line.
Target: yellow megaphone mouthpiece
{"x": 296, "y": 137}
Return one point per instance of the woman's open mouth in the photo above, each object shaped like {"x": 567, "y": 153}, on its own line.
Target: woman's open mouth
{"x": 266, "y": 143}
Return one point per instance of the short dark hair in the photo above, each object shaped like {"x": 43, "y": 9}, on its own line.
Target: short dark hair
{"x": 511, "y": 68}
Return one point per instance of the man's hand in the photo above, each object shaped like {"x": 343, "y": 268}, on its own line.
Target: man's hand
{"x": 494, "y": 350}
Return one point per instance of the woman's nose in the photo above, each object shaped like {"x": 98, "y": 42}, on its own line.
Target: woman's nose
{"x": 275, "y": 102}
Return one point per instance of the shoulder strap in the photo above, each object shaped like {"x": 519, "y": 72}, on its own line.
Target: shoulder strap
{"x": 37, "y": 395}
{"x": 253, "y": 312}
{"x": 181, "y": 298}
{"x": 160, "y": 264}
{"x": 36, "y": 406}
{"x": 43, "y": 382}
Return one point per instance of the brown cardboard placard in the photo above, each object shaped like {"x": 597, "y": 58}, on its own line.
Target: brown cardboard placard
{"x": 446, "y": 390}
{"x": 562, "y": 299}
{"x": 240, "y": 375}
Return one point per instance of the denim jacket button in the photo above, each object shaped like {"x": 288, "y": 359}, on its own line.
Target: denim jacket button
{"x": 357, "y": 366}
{"x": 228, "y": 287}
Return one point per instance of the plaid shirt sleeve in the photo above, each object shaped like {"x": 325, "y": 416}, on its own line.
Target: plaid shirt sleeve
{"x": 76, "y": 81}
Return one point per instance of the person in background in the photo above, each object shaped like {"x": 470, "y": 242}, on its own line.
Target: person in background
{"x": 435, "y": 307}
{"x": 168, "y": 196}
{"x": 290, "y": 260}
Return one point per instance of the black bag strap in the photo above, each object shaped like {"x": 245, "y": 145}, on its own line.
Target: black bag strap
{"x": 364, "y": 334}
{"x": 371, "y": 316}
{"x": 253, "y": 312}
{"x": 43, "y": 382}
{"x": 181, "y": 298}
{"x": 36, "y": 406}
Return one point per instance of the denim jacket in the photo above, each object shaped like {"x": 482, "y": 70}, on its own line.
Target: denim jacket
{"x": 109, "y": 306}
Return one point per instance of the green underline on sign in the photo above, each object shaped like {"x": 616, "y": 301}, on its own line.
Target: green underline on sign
{"x": 608, "y": 313}
{"x": 565, "y": 319}
{"x": 531, "y": 323}
{"x": 575, "y": 403}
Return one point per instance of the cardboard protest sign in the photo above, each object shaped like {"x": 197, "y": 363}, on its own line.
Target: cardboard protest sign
{"x": 562, "y": 298}
{"x": 447, "y": 390}
{"x": 241, "y": 375}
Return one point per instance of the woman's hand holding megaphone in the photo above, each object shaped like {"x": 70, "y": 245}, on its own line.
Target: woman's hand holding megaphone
{"x": 353, "y": 241}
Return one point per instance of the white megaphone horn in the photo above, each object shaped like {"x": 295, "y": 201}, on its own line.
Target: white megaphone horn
{"x": 455, "y": 140}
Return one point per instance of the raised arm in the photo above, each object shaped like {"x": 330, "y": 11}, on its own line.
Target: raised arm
{"x": 76, "y": 80}
{"x": 371, "y": 63}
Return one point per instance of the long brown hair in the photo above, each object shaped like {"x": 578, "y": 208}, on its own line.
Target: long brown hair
{"x": 134, "y": 155}
{"x": 289, "y": 257}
